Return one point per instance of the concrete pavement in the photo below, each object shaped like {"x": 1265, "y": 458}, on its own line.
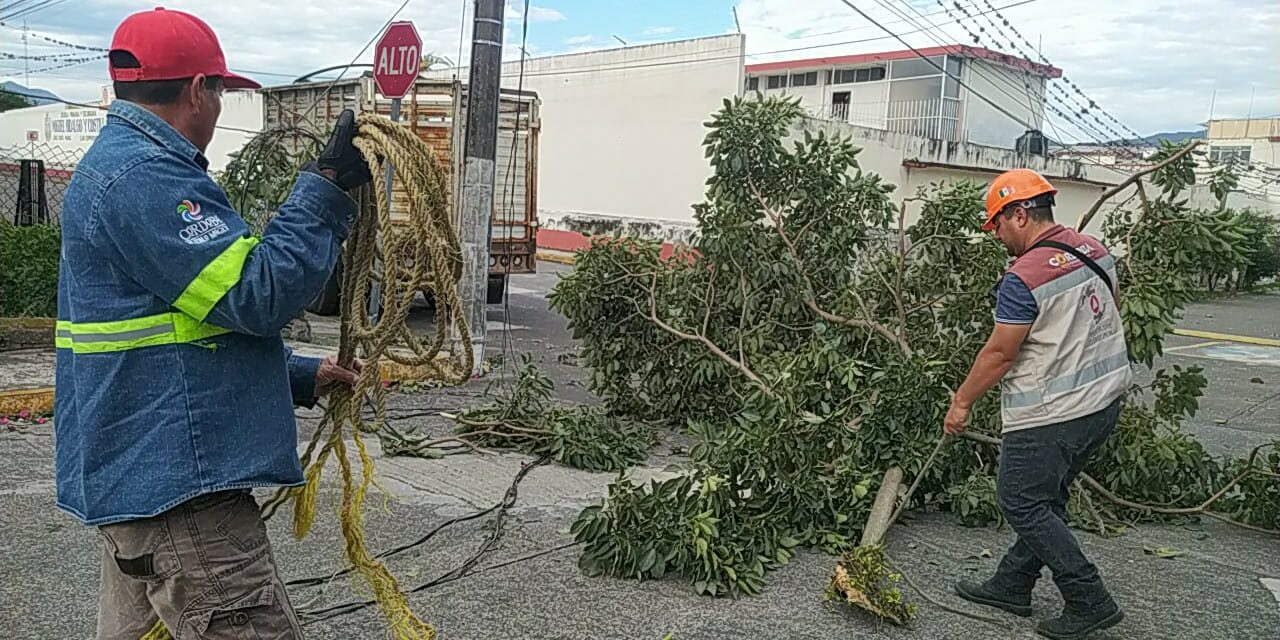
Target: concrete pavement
{"x": 1215, "y": 589}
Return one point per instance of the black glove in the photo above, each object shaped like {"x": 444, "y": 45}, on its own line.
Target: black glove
{"x": 340, "y": 156}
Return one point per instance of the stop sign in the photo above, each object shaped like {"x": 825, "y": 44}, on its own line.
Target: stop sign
{"x": 396, "y": 59}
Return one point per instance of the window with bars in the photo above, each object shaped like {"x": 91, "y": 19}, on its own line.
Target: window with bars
{"x": 808, "y": 79}
{"x": 1229, "y": 155}
{"x": 865, "y": 74}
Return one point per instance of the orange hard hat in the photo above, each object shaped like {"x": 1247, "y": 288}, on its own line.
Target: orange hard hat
{"x": 1017, "y": 185}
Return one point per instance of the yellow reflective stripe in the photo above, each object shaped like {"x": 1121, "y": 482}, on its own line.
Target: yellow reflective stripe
{"x": 119, "y": 326}
{"x": 188, "y": 329}
{"x": 62, "y": 335}
{"x": 107, "y": 346}
{"x": 215, "y": 279}
{"x": 124, "y": 335}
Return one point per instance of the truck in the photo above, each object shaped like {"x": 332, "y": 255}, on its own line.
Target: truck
{"x": 435, "y": 110}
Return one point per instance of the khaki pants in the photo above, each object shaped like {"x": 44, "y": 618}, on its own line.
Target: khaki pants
{"x": 204, "y": 567}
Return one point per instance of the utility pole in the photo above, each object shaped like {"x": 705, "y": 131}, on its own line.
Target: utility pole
{"x": 26, "y": 57}
{"x": 478, "y": 167}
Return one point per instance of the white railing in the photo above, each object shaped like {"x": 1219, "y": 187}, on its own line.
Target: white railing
{"x": 936, "y": 119}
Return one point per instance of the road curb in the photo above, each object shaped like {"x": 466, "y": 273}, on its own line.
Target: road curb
{"x": 15, "y": 401}
{"x": 26, "y": 333}
{"x": 1211, "y": 335}
{"x": 558, "y": 258}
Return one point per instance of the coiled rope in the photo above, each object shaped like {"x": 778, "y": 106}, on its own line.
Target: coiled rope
{"x": 423, "y": 252}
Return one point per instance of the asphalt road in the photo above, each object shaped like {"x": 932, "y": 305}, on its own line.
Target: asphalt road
{"x": 1216, "y": 589}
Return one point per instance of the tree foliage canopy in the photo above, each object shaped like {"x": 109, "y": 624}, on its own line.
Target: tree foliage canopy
{"x": 810, "y": 340}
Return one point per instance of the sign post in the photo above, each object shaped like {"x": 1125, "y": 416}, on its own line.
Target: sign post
{"x": 396, "y": 60}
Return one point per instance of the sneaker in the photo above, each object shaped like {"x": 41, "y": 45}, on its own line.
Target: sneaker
{"x": 1077, "y": 623}
{"x": 1019, "y": 604}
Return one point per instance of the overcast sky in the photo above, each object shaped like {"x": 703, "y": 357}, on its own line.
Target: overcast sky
{"x": 1153, "y": 64}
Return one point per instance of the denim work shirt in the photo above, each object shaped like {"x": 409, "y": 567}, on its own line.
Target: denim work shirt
{"x": 172, "y": 378}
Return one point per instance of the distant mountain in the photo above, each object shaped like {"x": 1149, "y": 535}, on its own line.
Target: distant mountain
{"x": 46, "y": 97}
{"x": 1173, "y": 137}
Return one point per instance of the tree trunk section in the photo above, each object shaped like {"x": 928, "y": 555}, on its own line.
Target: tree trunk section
{"x": 882, "y": 510}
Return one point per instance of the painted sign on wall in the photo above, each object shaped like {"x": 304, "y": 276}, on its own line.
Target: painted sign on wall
{"x": 77, "y": 125}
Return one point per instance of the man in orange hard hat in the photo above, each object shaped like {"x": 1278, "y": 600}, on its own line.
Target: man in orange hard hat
{"x": 1059, "y": 352}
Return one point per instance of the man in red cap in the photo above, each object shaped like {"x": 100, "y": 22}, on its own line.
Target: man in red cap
{"x": 175, "y": 391}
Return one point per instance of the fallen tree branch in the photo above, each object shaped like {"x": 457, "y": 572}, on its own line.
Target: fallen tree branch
{"x": 809, "y": 300}
{"x": 1200, "y": 510}
{"x": 928, "y": 464}
{"x": 881, "y": 516}
{"x": 704, "y": 341}
{"x": 1127, "y": 182}
{"x": 945, "y": 607}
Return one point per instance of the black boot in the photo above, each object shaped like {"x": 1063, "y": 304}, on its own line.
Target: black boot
{"x": 1016, "y": 602}
{"x": 1078, "y": 622}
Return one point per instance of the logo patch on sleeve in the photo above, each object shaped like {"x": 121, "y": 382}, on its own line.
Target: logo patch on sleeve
{"x": 190, "y": 211}
{"x": 200, "y": 228}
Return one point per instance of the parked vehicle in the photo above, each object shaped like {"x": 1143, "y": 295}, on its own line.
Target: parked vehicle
{"x": 436, "y": 111}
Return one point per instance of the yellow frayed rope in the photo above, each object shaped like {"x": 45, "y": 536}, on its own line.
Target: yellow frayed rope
{"x": 422, "y": 253}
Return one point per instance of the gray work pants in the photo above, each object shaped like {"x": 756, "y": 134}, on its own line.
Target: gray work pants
{"x": 204, "y": 567}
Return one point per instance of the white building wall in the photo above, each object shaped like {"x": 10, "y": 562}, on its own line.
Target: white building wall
{"x": 622, "y": 129}
{"x": 242, "y": 110}
{"x": 63, "y": 132}
{"x": 911, "y": 162}
{"x": 867, "y": 102}
{"x": 1020, "y": 93}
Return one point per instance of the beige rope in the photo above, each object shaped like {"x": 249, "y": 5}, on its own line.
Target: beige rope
{"x": 424, "y": 251}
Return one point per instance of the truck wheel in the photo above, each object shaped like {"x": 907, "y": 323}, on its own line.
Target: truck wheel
{"x": 497, "y": 289}
{"x": 329, "y": 302}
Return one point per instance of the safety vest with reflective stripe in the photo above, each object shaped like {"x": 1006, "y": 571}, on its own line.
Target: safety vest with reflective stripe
{"x": 1074, "y": 361}
{"x": 172, "y": 378}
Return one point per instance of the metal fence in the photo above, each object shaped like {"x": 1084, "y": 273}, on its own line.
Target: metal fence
{"x": 936, "y": 119}
{"x": 33, "y": 180}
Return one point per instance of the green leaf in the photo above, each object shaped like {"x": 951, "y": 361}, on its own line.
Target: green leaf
{"x": 650, "y": 558}
{"x": 1161, "y": 552}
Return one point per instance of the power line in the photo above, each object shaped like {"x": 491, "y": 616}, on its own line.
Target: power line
{"x": 996, "y": 81}
{"x": 40, "y": 57}
{"x": 1090, "y": 133}
{"x": 462, "y": 30}
{"x": 669, "y": 58}
{"x": 1092, "y": 104}
{"x": 935, "y": 65}
{"x": 34, "y": 9}
{"x": 54, "y": 40}
{"x": 1111, "y": 137}
{"x": 508, "y": 342}
{"x": 993, "y": 80}
{"x": 75, "y": 62}
{"x": 833, "y": 32}
{"x": 324, "y": 94}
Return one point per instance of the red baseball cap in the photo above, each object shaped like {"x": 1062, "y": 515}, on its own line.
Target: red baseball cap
{"x": 171, "y": 45}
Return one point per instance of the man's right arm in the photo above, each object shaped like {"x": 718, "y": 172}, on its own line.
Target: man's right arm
{"x": 178, "y": 236}
{"x": 290, "y": 265}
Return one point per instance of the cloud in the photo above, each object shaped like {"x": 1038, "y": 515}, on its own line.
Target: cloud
{"x": 284, "y": 39}
{"x": 1151, "y": 64}
{"x": 575, "y": 40}
{"x": 658, "y": 31}
{"x": 515, "y": 10}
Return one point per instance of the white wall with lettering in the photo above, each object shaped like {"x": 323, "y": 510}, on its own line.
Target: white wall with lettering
{"x": 60, "y": 134}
